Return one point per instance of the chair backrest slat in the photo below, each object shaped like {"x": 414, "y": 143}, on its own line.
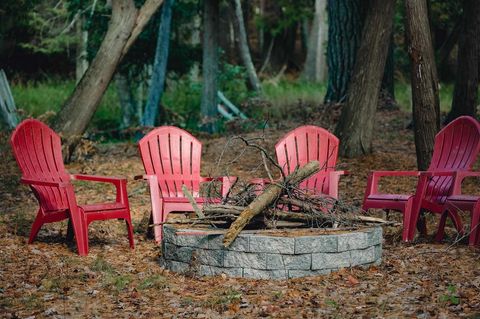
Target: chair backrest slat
{"x": 305, "y": 144}
{"x": 173, "y": 155}
{"x": 456, "y": 148}
{"x": 38, "y": 152}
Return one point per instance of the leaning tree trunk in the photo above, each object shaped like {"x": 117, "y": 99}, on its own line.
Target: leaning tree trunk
{"x": 345, "y": 22}
{"x": 210, "y": 64}
{"x": 239, "y": 26}
{"x": 355, "y": 127}
{"x": 315, "y": 68}
{"x": 159, "y": 67}
{"x": 425, "y": 100}
{"x": 125, "y": 25}
{"x": 466, "y": 84}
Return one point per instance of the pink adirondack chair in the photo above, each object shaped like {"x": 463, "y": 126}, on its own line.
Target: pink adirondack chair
{"x": 171, "y": 158}
{"x": 460, "y": 202}
{"x": 37, "y": 150}
{"x": 456, "y": 149}
{"x": 311, "y": 143}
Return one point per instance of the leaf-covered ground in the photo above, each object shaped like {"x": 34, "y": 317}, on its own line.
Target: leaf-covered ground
{"x": 47, "y": 279}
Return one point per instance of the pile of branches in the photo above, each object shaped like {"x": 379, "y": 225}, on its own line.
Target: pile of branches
{"x": 274, "y": 204}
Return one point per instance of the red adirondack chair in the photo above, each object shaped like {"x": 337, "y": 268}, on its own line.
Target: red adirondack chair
{"x": 460, "y": 202}
{"x": 311, "y": 143}
{"x": 456, "y": 149}
{"x": 38, "y": 153}
{"x": 171, "y": 158}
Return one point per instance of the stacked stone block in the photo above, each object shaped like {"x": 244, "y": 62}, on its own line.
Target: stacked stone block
{"x": 263, "y": 256}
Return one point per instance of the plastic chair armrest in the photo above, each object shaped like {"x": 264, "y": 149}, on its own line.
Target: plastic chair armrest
{"x": 43, "y": 183}
{"x": 120, "y": 184}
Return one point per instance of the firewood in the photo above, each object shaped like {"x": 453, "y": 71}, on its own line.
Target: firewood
{"x": 269, "y": 195}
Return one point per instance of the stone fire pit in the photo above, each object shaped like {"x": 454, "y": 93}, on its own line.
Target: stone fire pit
{"x": 280, "y": 254}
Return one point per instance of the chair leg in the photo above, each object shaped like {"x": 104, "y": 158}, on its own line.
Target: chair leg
{"x": 37, "y": 224}
{"x": 441, "y": 226}
{"x": 128, "y": 221}
{"x": 407, "y": 215}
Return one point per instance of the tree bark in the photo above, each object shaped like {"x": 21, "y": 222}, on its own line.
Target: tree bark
{"x": 125, "y": 26}
{"x": 239, "y": 26}
{"x": 127, "y": 102}
{"x": 387, "y": 90}
{"x": 355, "y": 127}
{"x": 271, "y": 192}
{"x": 210, "y": 65}
{"x": 315, "y": 68}
{"x": 425, "y": 99}
{"x": 345, "y": 22}
{"x": 466, "y": 85}
{"x": 157, "y": 83}
{"x": 81, "y": 61}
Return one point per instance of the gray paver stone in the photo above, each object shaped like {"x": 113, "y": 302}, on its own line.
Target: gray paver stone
{"x": 316, "y": 244}
{"x": 363, "y": 256}
{"x": 271, "y": 244}
{"x": 204, "y": 270}
{"x": 210, "y": 257}
{"x": 241, "y": 243}
{"x": 277, "y": 261}
{"x": 356, "y": 240}
{"x": 330, "y": 260}
{"x": 173, "y": 252}
{"x": 241, "y": 259}
{"x": 264, "y": 274}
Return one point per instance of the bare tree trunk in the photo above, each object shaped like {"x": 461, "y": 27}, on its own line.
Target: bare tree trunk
{"x": 127, "y": 102}
{"x": 210, "y": 65}
{"x": 125, "y": 26}
{"x": 159, "y": 67}
{"x": 425, "y": 100}
{"x": 81, "y": 61}
{"x": 466, "y": 85}
{"x": 315, "y": 68}
{"x": 355, "y": 127}
{"x": 239, "y": 26}
{"x": 345, "y": 23}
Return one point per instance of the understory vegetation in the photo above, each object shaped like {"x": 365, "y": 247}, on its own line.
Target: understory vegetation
{"x": 182, "y": 98}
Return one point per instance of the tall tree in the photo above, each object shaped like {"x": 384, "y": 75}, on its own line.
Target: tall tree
{"x": 387, "y": 91}
{"x": 466, "y": 85}
{"x": 425, "y": 100}
{"x": 125, "y": 25}
{"x": 355, "y": 127}
{"x": 239, "y": 26}
{"x": 210, "y": 64}
{"x": 315, "y": 68}
{"x": 345, "y": 22}
{"x": 81, "y": 61}
{"x": 159, "y": 66}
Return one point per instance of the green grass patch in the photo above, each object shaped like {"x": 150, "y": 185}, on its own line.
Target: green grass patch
{"x": 153, "y": 282}
{"x": 35, "y": 99}
{"x": 403, "y": 96}
{"x": 285, "y": 93}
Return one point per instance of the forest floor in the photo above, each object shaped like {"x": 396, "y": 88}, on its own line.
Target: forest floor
{"x": 48, "y": 280}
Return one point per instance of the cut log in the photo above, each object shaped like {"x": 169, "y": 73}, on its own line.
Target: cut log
{"x": 269, "y": 195}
